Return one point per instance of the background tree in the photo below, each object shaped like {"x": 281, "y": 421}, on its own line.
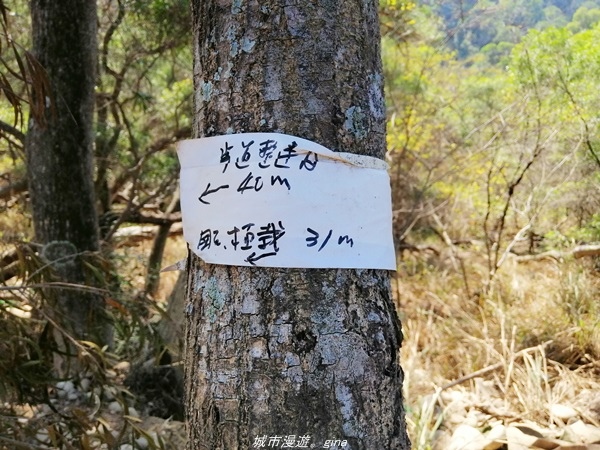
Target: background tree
{"x": 142, "y": 103}
{"x": 60, "y": 157}
{"x": 281, "y": 352}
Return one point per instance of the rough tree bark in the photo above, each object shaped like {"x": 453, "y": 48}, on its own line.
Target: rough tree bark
{"x": 59, "y": 156}
{"x": 278, "y": 353}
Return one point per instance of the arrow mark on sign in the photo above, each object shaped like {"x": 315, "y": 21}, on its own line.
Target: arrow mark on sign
{"x": 253, "y": 258}
{"x": 208, "y": 191}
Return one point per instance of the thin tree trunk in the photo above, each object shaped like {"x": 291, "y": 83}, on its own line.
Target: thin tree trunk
{"x": 296, "y": 356}
{"x": 59, "y": 156}
{"x": 158, "y": 249}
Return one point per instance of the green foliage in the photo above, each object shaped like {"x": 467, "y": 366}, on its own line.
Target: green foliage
{"x": 144, "y": 93}
{"x": 584, "y": 19}
{"x": 496, "y": 54}
{"x": 471, "y": 26}
{"x": 168, "y": 17}
{"x": 588, "y": 232}
{"x": 500, "y": 145}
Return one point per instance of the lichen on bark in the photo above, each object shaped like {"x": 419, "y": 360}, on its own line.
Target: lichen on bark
{"x": 283, "y": 352}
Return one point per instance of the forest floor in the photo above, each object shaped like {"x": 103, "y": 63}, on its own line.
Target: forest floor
{"x": 513, "y": 364}
{"x": 96, "y": 409}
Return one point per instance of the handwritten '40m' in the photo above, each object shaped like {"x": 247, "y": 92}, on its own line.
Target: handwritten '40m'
{"x": 268, "y": 153}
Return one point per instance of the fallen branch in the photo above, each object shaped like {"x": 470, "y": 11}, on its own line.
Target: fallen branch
{"x": 581, "y": 251}
{"x": 494, "y": 367}
{"x": 138, "y": 233}
{"x": 154, "y": 218}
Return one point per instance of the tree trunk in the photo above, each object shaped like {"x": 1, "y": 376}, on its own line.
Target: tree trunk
{"x": 59, "y": 156}
{"x": 277, "y": 357}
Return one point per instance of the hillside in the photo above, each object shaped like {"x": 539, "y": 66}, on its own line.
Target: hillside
{"x": 469, "y": 25}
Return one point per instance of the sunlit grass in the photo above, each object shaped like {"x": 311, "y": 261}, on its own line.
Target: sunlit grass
{"x": 526, "y": 344}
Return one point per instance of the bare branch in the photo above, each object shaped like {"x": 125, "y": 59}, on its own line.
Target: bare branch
{"x": 9, "y": 129}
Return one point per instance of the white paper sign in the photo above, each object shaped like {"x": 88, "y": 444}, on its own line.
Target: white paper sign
{"x": 273, "y": 200}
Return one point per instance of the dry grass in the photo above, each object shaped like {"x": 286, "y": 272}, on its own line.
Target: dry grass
{"x": 514, "y": 351}
{"x": 97, "y": 409}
